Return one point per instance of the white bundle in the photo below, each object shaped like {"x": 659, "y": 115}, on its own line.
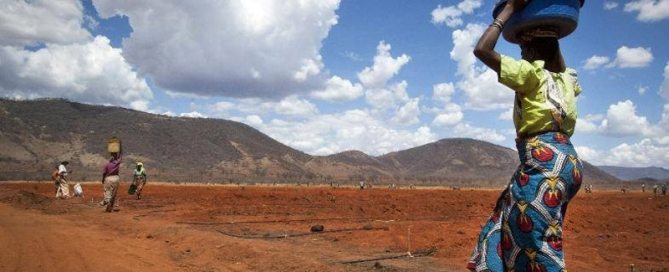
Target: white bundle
{"x": 78, "y": 191}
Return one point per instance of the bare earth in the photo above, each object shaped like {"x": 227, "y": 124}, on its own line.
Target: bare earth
{"x": 226, "y": 228}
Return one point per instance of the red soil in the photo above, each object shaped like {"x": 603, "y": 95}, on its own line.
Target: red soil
{"x": 604, "y": 231}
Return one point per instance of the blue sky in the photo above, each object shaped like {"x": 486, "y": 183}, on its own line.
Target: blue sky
{"x": 326, "y": 76}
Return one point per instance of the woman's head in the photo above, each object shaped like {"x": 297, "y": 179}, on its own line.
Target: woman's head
{"x": 539, "y": 44}
{"x": 540, "y": 48}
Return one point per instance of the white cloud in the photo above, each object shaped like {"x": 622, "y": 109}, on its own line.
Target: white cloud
{"x": 449, "y": 116}
{"x": 383, "y": 69}
{"x": 609, "y": 5}
{"x": 622, "y": 120}
{"x": 632, "y": 57}
{"x": 92, "y": 72}
{"x": 664, "y": 89}
{"x": 479, "y": 85}
{"x": 388, "y": 97}
{"x": 643, "y": 153}
{"x": 642, "y": 90}
{"x": 254, "y": 120}
{"x": 588, "y": 124}
{"x": 452, "y": 15}
{"x": 33, "y": 22}
{"x": 408, "y": 113}
{"x": 192, "y": 114}
{"x": 310, "y": 67}
{"x": 237, "y": 48}
{"x": 595, "y": 62}
{"x": 338, "y": 89}
{"x": 354, "y": 129}
{"x": 485, "y": 134}
{"x": 506, "y": 115}
{"x": 664, "y": 93}
{"x": 589, "y": 154}
{"x": 483, "y": 92}
{"x": 649, "y": 10}
{"x": 292, "y": 106}
{"x": 443, "y": 91}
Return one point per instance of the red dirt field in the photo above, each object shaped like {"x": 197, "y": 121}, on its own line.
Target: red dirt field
{"x": 231, "y": 228}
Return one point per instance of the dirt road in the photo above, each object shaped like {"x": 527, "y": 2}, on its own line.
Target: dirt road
{"x": 219, "y": 228}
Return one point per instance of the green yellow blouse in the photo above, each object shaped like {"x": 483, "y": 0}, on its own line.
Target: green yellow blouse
{"x": 538, "y": 107}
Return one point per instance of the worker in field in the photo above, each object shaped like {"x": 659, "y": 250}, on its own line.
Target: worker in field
{"x": 524, "y": 232}
{"x": 655, "y": 190}
{"x": 62, "y": 188}
{"x": 110, "y": 181}
{"x": 138, "y": 180}
{"x": 664, "y": 189}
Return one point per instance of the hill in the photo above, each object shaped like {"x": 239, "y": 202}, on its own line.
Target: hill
{"x": 36, "y": 134}
{"x": 637, "y": 173}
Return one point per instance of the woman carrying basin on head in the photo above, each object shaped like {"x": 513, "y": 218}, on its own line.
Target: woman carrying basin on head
{"x": 524, "y": 232}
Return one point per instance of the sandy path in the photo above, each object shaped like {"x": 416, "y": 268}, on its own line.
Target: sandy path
{"x": 33, "y": 241}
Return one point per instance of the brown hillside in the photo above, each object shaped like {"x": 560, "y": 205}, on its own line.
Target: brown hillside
{"x": 36, "y": 134}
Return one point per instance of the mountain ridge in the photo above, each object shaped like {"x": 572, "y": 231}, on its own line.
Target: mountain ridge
{"x": 37, "y": 133}
{"x": 637, "y": 173}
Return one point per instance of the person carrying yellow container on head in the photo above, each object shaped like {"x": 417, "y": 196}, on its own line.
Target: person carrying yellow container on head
{"x": 110, "y": 174}
{"x": 138, "y": 180}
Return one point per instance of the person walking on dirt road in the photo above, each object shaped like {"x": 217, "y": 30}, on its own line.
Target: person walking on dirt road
{"x": 110, "y": 181}
{"x": 139, "y": 179}
{"x": 62, "y": 188}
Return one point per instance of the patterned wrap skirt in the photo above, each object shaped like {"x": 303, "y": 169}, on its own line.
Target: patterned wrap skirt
{"x": 524, "y": 232}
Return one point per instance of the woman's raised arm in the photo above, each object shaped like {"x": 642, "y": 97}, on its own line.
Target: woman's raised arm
{"x": 485, "y": 48}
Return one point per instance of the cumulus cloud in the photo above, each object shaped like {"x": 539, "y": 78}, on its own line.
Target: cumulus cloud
{"x": 291, "y": 107}
{"x": 622, "y": 120}
{"x": 595, "y": 62}
{"x": 443, "y": 91}
{"x": 664, "y": 89}
{"x": 506, "y": 115}
{"x": 452, "y": 15}
{"x": 34, "y": 22}
{"x": 449, "y": 116}
{"x": 637, "y": 57}
{"x": 642, "y": 90}
{"x": 338, "y": 89}
{"x": 589, "y": 154}
{"x": 254, "y": 120}
{"x": 389, "y": 97}
{"x": 484, "y": 134}
{"x": 354, "y": 129}
{"x": 664, "y": 93}
{"x": 408, "y": 113}
{"x": 92, "y": 72}
{"x": 234, "y": 48}
{"x": 642, "y": 153}
{"x": 588, "y": 124}
{"x": 649, "y": 10}
{"x": 479, "y": 85}
{"x": 609, "y": 5}
{"x": 384, "y": 67}
{"x": 192, "y": 114}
